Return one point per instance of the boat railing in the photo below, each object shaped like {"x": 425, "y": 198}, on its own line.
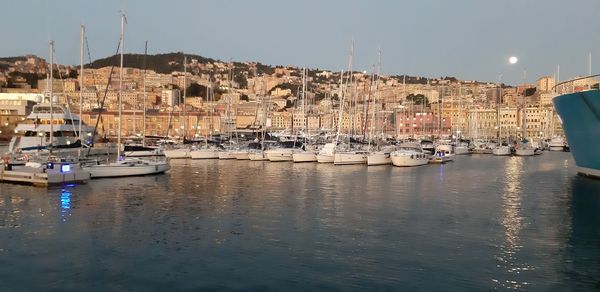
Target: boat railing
{"x": 569, "y": 86}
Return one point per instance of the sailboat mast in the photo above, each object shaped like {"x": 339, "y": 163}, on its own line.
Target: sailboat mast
{"x": 372, "y": 100}
{"x": 460, "y": 117}
{"x": 304, "y": 104}
{"x": 51, "y": 93}
{"x": 341, "y": 107}
{"x": 498, "y": 99}
{"x": 590, "y": 65}
{"x": 184, "y": 96}
{"x": 121, "y": 87}
{"x": 82, "y": 34}
{"x": 524, "y": 120}
{"x": 145, "y": 96}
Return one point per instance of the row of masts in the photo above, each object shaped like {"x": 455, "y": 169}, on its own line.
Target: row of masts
{"x": 344, "y": 86}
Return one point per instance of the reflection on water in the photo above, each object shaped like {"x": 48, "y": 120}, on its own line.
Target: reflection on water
{"x": 65, "y": 203}
{"x": 512, "y": 222}
{"x": 582, "y": 259}
{"x": 478, "y": 223}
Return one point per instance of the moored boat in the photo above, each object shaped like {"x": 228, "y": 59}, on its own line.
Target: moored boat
{"x": 409, "y": 156}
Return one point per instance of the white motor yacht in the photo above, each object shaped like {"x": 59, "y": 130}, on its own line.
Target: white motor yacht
{"x": 444, "y": 153}
{"x": 557, "y": 144}
{"x": 33, "y": 133}
{"x": 409, "y": 156}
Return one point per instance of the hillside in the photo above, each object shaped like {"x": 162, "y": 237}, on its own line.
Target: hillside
{"x": 167, "y": 63}
{"x": 13, "y": 59}
{"x": 161, "y": 63}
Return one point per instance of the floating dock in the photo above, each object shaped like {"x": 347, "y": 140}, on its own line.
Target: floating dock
{"x": 43, "y": 175}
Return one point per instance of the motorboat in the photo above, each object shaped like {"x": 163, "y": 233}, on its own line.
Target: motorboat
{"x": 408, "y": 155}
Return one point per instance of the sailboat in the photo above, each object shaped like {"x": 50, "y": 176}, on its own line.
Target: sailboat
{"x": 206, "y": 151}
{"x": 327, "y": 152}
{"x": 138, "y": 146}
{"x": 381, "y": 156}
{"x": 346, "y": 154}
{"x": 500, "y": 149}
{"x": 182, "y": 151}
{"x": 302, "y": 154}
{"x": 128, "y": 166}
{"x": 524, "y": 147}
{"x": 258, "y": 153}
{"x": 460, "y": 147}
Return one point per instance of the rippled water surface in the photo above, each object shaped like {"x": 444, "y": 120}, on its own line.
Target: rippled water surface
{"x": 478, "y": 223}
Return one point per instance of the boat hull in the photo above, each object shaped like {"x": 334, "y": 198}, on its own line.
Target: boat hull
{"x": 144, "y": 153}
{"x": 224, "y": 155}
{"x": 379, "y": 158}
{"x": 112, "y": 170}
{"x": 177, "y": 153}
{"x": 408, "y": 161}
{"x": 258, "y": 156}
{"x": 580, "y": 115}
{"x": 501, "y": 151}
{"x": 325, "y": 158}
{"x": 461, "y": 150}
{"x": 349, "y": 158}
{"x": 525, "y": 152}
{"x": 305, "y": 156}
{"x": 280, "y": 155}
{"x": 204, "y": 154}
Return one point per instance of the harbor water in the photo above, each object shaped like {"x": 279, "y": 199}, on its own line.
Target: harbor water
{"x": 478, "y": 223}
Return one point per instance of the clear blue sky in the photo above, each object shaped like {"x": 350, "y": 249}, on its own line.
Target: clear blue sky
{"x": 469, "y": 39}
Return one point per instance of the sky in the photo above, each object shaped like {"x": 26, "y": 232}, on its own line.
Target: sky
{"x": 467, "y": 39}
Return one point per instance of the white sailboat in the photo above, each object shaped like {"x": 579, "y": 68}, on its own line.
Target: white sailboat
{"x": 381, "y": 156}
{"x": 128, "y": 166}
{"x": 524, "y": 147}
{"x": 182, "y": 151}
{"x": 138, "y": 147}
{"x": 206, "y": 151}
{"x": 306, "y": 154}
{"x": 326, "y": 153}
{"x": 345, "y": 154}
{"x": 500, "y": 149}
{"x": 460, "y": 147}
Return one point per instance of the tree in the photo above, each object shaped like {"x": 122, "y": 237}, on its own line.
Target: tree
{"x": 417, "y": 99}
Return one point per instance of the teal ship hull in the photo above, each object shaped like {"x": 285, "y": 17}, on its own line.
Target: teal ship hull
{"x": 580, "y": 115}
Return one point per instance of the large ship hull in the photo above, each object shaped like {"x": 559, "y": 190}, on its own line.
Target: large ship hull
{"x": 580, "y": 114}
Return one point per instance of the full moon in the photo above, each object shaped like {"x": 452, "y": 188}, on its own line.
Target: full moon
{"x": 513, "y": 60}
